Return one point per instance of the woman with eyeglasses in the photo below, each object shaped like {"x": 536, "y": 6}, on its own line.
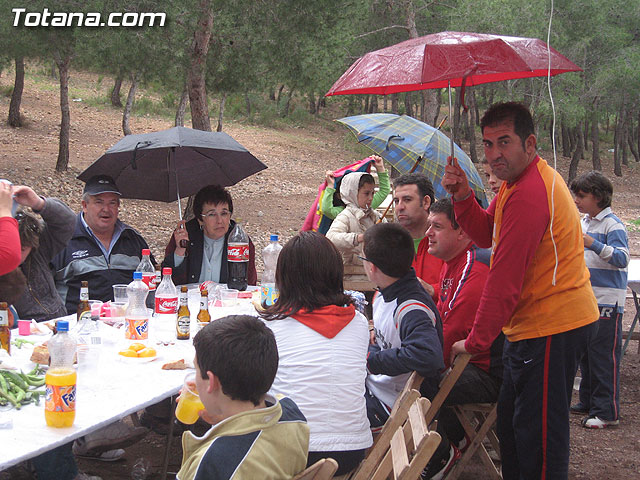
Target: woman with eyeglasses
{"x": 197, "y": 250}
{"x": 41, "y": 239}
{"x": 322, "y": 348}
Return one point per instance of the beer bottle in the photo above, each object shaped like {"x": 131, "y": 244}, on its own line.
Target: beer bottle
{"x": 84, "y": 309}
{"x": 203, "y": 315}
{"x": 183, "y": 322}
{"x": 5, "y": 331}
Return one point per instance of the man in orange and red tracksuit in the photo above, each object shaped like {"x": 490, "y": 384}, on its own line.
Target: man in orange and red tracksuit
{"x": 537, "y": 292}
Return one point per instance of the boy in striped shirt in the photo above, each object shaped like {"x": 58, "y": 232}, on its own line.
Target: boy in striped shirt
{"x": 606, "y": 253}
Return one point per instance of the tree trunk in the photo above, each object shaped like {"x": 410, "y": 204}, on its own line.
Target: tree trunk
{"x": 622, "y": 137}
{"x": 53, "y": 73}
{"x": 279, "y": 95}
{"x": 385, "y": 98}
{"x": 632, "y": 143}
{"x": 617, "y": 166}
{"x": 431, "y": 99}
{"x": 115, "y": 92}
{"x": 577, "y": 154}
{"x": 312, "y": 103}
{"x": 351, "y": 105}
{"x": 573, "y": 137}
{"x": 595, "y": 139}
{"x": 475, "y": 108}
{"x": 365, "y": 109}
{"x": 247, "y": 104}
{"x": 566, "y": 147}
{"x": 65, "y": 123}
{"x": 373, "y": 104}
{"x": 182, "y": 107}
{"x": 470, "y": 126}
{"x": 287, "y": 105}
{"x": 456, "y": 116}
{"x": 126, "y": 114}
{"x": 196, "y": 75}
{"x": 322, "y": 104}
{"x": 638, "y": 132}
{"x": 408, "y": 108}
{"x": 394, "y": 103}
{"x": 16, "y": 96}
{"x": 223, "y": 102}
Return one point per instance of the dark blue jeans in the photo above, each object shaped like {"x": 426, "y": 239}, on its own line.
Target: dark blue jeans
{"x": 56, "y": 464}
{"x": 533, "y": 407}
{"x": 600, "y": 367}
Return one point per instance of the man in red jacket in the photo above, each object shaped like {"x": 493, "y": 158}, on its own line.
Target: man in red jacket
{"x": 413, "y": 194}
{"x": 462, "y": 280}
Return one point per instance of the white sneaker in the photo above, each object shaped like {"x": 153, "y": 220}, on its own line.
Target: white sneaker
{"x": 117, "y": 435}
{"x": 84, "y": 476}
{"x": 597, "y": 422}
{"x": 108, "y": 456}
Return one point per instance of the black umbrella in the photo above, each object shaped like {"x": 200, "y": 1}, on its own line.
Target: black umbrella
{"x": 173, "y": 163}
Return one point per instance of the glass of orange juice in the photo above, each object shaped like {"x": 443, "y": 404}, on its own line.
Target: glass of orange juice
{"x": 189, "y": 403}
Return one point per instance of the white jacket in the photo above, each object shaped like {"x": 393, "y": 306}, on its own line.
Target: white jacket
{"x": 351, "y": 222}
{"x": 325, "y": 378}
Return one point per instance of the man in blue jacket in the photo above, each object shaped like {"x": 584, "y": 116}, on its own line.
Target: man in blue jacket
{"x": 103, "y": 250}
{"x": 406, "y": 328}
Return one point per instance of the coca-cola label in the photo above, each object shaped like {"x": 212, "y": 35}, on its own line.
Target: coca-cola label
{"x": 149, "y": 280}
{"x": 166, "y": 305}
{"x": 238, "y": 252}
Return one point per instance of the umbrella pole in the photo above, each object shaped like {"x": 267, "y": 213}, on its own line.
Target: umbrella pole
{"x": 175, "y": 171}
{"x": 452, "y": 123}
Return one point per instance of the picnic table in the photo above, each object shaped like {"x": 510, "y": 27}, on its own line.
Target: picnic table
{"x": 633, "y": 282}
{"x": 115, "y": 387}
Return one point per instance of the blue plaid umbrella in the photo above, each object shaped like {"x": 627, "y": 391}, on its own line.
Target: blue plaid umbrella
{"x": 402, "y": 140}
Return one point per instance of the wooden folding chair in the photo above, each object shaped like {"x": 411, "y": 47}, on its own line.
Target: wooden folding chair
{"x": 405, "y": 444}
{"x": 484, "y": 415}
{"x": 360, "y": 285}
{"x": 446, "y": 384}
{"x": 323, "y": 469}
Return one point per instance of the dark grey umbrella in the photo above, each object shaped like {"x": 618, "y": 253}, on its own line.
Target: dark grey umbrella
{"x": 173, "y": 163}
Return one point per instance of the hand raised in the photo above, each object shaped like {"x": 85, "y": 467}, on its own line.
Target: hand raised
{"x": 455, "y": 180}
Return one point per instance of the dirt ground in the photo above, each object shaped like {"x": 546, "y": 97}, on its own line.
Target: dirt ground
{"x": 273, "y": 201}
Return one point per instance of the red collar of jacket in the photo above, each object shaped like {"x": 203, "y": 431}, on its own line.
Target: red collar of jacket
{"x": 327, "y": 321}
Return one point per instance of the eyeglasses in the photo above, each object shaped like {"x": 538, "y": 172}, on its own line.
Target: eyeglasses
{"x": 21, "y": 216}
{"x": 212, "y": 215}
{"x": 364, "y": 259}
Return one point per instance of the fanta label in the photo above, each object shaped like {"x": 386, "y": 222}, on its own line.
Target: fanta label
{"x": 136, "y": 328}
{"x": 238, "y": 252}
{"x": 60, "y": 398}
{"x": 269, "y": 294}
{"x": 149, "y": 280}
{"x": 167, "y": 305}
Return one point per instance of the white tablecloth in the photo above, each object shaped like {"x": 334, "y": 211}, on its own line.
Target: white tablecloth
{"x": 119, "y": 387}
{"x": 634, "y": 275}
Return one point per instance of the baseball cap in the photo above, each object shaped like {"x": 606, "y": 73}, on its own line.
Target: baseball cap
{"x": 101, "y": 184}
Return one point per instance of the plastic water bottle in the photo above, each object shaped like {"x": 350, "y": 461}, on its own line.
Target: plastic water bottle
{"x": 148, "y": 270}
{"x": 136, "y": 318}
{"x": 166, "y": 304}
{"x": 268, "y": 293}
{"x": 237, "y": 258}
{"x": 60, "y": 396}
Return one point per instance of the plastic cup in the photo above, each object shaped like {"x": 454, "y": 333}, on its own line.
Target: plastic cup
{"x": 88, "y": 358}
{"x": 96, "y": 307}
{"x": 117, "y": 309}
{"x": 24, "y": 327}
{"x": 189, "y": 403}
{"x": 120, "y": 293}
{"x": 229, "y": 297}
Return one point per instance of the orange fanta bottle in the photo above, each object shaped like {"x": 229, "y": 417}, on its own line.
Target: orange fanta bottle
{"x": 136, "y": 317}
{"x": 60, "y": 380}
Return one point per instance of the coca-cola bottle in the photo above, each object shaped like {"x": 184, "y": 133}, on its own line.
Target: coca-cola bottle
{"x": 148, "y": 271}
{"x": 166, "y": 304}
{"x": 237, "y": 258}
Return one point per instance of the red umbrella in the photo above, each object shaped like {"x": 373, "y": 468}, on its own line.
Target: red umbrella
{"x": 450, "y": 59}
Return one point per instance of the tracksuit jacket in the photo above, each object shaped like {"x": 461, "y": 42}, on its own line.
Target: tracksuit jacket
{"x": 408, "y": 334}
{"x": 83, "y": 259}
